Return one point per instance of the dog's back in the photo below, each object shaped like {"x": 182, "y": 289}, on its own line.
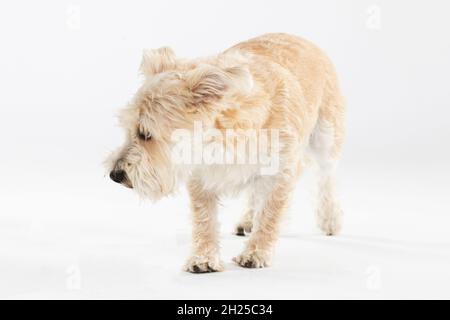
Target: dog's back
{"x": 322, "y": 101}
{"x": 302, "y": 58}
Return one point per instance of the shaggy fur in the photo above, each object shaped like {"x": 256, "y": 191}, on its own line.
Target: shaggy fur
{"x": 276, "y": 81}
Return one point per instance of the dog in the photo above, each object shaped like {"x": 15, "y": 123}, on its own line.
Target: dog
{"x": 276, "y": 82}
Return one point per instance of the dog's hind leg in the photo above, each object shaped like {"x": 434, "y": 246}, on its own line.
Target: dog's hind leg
{"x": 325, "y": 145}
{"x": 245, "y": 225}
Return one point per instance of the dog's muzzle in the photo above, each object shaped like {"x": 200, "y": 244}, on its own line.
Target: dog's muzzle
{"x": 117, "y": 176}
{"x": 120, "y": 176}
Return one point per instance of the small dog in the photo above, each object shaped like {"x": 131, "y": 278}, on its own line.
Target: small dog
{"x": 278, "y": 83}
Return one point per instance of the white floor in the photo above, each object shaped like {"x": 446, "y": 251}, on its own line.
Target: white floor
{"x": 95, "y": 239}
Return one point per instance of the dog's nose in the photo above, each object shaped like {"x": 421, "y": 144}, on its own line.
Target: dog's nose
{"x": 117, "y": 176}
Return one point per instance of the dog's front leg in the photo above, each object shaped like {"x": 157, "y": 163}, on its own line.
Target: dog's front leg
{"x": 205, "y": 246}
{"x": 258, "y": 251}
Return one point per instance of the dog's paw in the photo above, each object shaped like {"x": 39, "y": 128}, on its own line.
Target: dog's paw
{"x": 253, "y": 259}
{"x": 243, "y": 229}
{"x": 203, "y": 264}
{"x": 331, "y": 224}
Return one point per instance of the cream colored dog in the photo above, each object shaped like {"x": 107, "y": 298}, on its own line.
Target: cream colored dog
{"x": 278, "y": 83}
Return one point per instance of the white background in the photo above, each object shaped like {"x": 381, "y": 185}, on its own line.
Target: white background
{"x": 67, "y": 231}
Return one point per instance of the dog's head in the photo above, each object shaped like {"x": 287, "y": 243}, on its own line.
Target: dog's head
{"x": 174, "y": 95}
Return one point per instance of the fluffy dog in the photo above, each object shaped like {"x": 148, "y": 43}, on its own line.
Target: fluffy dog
{"x": 275, "y": 82}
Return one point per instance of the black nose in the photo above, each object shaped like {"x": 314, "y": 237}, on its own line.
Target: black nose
{"x": 117, "y": 175}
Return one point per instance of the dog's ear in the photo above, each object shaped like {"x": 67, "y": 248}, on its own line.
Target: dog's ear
{"x": 157, "y": 61}
{"x": 209, "y": 84}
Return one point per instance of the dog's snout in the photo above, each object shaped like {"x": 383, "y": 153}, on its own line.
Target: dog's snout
{"x": 117, "y": 176}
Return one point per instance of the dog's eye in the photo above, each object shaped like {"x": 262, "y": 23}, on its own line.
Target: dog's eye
{"x": 144, "y": 136}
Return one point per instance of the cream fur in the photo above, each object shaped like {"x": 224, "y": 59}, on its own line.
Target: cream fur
{"x": 276, "y": 81}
